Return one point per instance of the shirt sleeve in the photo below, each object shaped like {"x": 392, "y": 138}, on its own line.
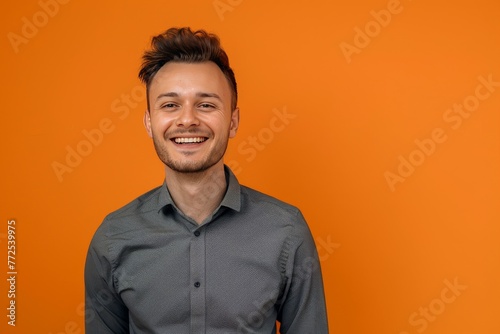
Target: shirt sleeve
{"x": 303, "y": 310}
{"x": 105, "y": 312}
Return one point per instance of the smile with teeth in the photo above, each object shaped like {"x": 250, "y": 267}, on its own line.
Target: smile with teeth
{"x": 190, "y": 140}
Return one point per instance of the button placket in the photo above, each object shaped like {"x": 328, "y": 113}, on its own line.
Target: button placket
{"x": 197, "y": 278}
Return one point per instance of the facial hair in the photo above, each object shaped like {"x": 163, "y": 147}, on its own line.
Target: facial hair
{"x": 185, "y": 166}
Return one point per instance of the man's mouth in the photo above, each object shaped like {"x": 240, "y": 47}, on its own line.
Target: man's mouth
{"x": 189, "y": 140}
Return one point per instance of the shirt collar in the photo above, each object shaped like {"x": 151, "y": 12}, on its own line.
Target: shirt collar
{"x": 231, "y": 200}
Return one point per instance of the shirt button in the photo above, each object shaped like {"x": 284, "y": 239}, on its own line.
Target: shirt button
{"x": 197, "y": 284}
{"x": 197, "y": 233}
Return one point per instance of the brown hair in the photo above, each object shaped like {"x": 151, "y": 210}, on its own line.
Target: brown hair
{"x": 184, "y": 45}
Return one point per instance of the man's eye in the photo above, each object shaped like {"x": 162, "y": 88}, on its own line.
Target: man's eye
{"x": 206, "y": 105}
{"x": 169, "y": 105}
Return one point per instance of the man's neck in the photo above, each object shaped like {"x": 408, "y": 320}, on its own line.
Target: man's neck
{"x": 197, "y": 195}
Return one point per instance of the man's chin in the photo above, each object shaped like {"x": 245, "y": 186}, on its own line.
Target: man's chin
{"x": 188, "y": 167}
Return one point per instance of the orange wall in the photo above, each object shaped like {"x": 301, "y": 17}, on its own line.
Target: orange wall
{"x": 400, "y": 186}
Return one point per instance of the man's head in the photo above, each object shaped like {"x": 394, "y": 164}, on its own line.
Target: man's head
{"x": 185, "y": 46}
{"x": 192, "y": 109}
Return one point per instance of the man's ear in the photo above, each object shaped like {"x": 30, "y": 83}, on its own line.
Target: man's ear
{"x": 235, "y": 122}
{"x": 147, "y": 123}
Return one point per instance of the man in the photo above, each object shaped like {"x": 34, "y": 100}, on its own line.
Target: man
{"x": 201, "y": 253}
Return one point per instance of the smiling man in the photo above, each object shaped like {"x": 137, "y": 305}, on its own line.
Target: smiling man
{"x": 200, "y": 253}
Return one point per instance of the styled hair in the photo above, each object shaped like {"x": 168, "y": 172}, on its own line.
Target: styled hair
{"x": 185, "y": 46}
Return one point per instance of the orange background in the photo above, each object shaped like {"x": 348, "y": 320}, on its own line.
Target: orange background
{"x": 386, "y": 250}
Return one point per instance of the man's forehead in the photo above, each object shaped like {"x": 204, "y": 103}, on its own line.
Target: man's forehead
{"x": 176, "y": 67}
{"x": 196, "y": 78}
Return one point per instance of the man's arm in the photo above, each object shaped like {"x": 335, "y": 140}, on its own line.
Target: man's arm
{"x": 104, "y": 310}
{"x": 304, "y": 308}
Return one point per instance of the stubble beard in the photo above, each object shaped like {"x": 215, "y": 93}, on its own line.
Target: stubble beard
{"x": 181, "y": 166}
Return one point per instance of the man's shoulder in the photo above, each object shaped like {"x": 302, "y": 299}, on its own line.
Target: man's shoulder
{"x": 264, "y": 201}
{"x": 142, "y": 205}
{"x": 275, "y": 212}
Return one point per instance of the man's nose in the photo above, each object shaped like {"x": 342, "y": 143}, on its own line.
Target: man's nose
{"x": 187, "y": 117}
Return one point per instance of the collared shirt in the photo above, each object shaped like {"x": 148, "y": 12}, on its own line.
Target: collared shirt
{"x": 151, "y": 269}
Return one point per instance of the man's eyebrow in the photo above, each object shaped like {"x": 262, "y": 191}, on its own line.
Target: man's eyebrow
{"x": 214, "y": 95}
{"x": 199, "y": 94}
{"x": 169, "y": 94}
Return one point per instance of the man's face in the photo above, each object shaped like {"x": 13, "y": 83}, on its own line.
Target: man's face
{"x": 190, "y": 117}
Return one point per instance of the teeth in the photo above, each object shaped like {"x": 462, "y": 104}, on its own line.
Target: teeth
{"x": 189, "y": 140}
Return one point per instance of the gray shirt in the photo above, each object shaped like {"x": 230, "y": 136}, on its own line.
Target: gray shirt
{"x": 151, "y": 269}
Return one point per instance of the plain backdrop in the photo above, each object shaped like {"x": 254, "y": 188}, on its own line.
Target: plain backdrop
{"x": 379, "y": 119}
